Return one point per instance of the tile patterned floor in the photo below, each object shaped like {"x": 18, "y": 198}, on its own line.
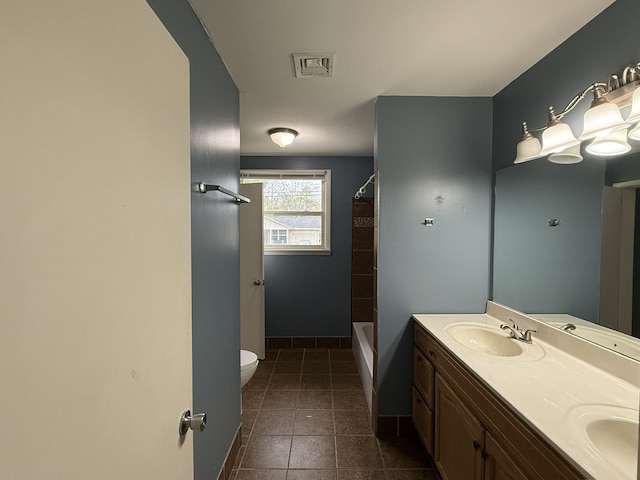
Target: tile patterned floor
{"x": 305, "y": 417}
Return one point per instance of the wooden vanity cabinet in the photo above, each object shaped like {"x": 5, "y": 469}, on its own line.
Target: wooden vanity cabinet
{"x": 459, "y": 437}
{"x": 423, "y": 395}
{"x": 468, "y": 430}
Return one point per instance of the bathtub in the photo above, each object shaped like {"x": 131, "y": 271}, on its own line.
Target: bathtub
{"x": 362, "y": 344}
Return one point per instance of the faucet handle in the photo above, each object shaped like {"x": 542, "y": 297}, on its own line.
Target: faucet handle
{"x": 514, "y": 324}
{"x": 507, "y": 328}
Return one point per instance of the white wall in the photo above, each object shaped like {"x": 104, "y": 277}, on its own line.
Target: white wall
{"x": 95, "y": 292}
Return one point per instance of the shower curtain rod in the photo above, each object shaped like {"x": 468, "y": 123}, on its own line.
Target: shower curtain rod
{"x": 363, "y": 188}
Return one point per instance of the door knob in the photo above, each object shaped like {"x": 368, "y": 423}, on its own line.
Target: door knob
{"x": 195, "y": 422}
{"x": 257, "y": 283}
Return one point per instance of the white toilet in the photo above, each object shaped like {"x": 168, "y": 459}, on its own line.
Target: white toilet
{"x": 248, "y": 366}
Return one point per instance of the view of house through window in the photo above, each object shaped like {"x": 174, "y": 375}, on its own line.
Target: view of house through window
{"x": 296, "y": 209}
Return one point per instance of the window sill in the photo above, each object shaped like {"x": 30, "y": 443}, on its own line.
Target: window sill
{"x": 297, "y": 252}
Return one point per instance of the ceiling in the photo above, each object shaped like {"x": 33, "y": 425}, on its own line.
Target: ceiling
{"x": 382, "y": 47}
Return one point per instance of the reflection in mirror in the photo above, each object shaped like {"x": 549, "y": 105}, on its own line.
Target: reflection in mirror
{"x": 558, "y": 255}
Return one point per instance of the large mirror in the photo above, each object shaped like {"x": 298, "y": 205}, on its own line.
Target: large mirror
{"x": 563, "y": 246}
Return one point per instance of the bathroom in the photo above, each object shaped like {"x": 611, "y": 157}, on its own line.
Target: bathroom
{"x": 422, "y": 268}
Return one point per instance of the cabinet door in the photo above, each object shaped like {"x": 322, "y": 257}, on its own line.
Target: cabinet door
{"x": 424, "y": 376}
{"x": 498, "y": 464}
{"x": 459, "y": 437}
{"x": 423, "y": 420}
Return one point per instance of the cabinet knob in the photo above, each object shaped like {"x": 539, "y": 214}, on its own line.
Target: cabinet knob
{"x": 432, "y": 353}
{"x": 476, "y": 445}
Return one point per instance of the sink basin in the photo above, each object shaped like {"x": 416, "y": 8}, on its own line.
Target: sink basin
{"x": 485, "y": 339}
{"x": 610, "y": 433}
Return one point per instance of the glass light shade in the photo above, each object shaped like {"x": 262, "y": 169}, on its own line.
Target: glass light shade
{"x": 634, "y": 133}
{"x": 601, "y": 120}
{"x": 567, "y": 156}
{"x": 610, "y": 145}
{"x": 528, "y": 149}
{"x": 634, "y": 115}
{"x": 282, "y": 136}
{"x": 556, "y": 138}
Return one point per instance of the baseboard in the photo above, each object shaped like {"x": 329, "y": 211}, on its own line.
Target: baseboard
{"x": 274, "y": 343}
{"x": 230, "y": 461}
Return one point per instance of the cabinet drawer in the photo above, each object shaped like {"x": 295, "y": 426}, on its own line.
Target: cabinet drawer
{"x": 423, "y": 340}
{"x": 424, "y": 376}
{"x": 423, "y": 420}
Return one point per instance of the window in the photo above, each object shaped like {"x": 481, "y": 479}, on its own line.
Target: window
{"x": 296, "y": 206}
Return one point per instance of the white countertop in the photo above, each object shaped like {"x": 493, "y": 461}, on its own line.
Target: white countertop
{"x": 551, "y": 392}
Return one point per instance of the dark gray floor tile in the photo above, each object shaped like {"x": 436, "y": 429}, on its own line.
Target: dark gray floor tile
{"x": 308, "y": 451}
{"x": 314, "y": 422}
{"x": 274, "y": 422}
{"x": 358, "y": 452}
{"x": 280, "y": 399}
{"x": 311, "y": 475}
{"x": 266, "y": 451}
{"x": 361, "y": 475}
{"x": 353, "y": 422}
{"x": 315, "y": 399}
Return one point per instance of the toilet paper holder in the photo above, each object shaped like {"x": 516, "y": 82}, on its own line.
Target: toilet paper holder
{"x": 195, "y": 422}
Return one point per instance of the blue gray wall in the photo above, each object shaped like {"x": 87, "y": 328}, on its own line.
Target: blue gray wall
{"x": 310, "y": 295}
{"x": 434, "y": 160}
{"x": 605, "y": 45}
{"x": 215, "y": 158}
{"x": 543, "y": 269}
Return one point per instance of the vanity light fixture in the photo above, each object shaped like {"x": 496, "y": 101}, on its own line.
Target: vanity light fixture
{"x": 282, "y": 136}
{"x": 604, "y": 128}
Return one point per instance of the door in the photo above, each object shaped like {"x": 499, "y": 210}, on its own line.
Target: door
{"x": 616, "y": 272}
{"x": 252, "y": 330}
{"x": 95, "y": 275}
{"x": 459, "y": 436}
{"x": 499, "y": 464}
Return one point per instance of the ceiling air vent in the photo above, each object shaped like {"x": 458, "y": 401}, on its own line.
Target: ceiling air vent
{"x": 306, "y": 65}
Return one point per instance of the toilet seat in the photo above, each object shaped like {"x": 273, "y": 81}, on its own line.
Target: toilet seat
{"x": 248, "y": 360}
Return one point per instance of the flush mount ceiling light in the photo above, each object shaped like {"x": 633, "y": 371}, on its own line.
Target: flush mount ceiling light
{"x": 604, "y": 127}
{"x": 282, "y": 136}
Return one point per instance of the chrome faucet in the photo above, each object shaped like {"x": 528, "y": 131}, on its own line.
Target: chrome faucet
{"x": 568, "y": 327}
{"x": 515, "y": 332}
